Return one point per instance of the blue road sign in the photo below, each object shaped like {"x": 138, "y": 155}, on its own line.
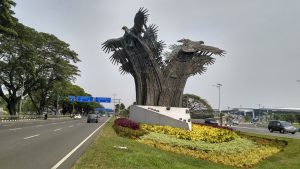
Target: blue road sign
{"x": 71, "y": 98}
{"x": 104, "y": 109}
{"x": 85, "y": 99}
{"x": 103, "y": 99}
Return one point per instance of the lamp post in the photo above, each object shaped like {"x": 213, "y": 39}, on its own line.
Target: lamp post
{"x": 114, "y": 104}
{"x": 218, "y": 85}
{"x": 259, "y": 112}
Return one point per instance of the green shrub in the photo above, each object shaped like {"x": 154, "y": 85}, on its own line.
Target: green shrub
{"x": 128, "y": 132}
{"x": 235, "y": 146}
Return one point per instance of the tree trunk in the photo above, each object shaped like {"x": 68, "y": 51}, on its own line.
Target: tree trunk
{"x": 11, "y": 106}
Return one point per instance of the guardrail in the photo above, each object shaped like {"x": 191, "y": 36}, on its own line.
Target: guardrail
{"x": 30, "y": 117}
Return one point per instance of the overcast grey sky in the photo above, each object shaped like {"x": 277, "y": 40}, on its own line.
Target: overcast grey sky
{"x": 261, "y": 39}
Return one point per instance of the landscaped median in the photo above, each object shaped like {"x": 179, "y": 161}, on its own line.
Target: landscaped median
{"x": 148, "y": 146}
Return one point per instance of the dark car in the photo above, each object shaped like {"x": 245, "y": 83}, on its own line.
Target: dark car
{"x": 210, "y": 121}
{"x": 281, "y": 126}
{"x": 92, "y": 118}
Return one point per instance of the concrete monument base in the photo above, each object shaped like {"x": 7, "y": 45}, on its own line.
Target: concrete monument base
{"x": 169, "y": 116}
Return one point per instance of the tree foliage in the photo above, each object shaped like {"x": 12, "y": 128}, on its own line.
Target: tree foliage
{"x": 196, "y": 103}
{"x": 31, "y": 62}
{"x": 7, "y": 21}
{"x": 75, "y": 107}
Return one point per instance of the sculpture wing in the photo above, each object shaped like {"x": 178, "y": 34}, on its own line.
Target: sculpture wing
{"x": 140, "y": 19}
{"x": 112, "y": 45}
{"x": 210, "y": 49}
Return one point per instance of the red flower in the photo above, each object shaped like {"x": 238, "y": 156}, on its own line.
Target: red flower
{"x": 124, "y": 122}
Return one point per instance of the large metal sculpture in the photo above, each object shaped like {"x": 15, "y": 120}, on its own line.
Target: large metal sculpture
{"x": 158, "y": 81}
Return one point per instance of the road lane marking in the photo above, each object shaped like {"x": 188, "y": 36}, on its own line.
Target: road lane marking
{"x": 71, "y": 126}
{"x": 57, "y": 129}
{"x": 39, "y": 125}
{"x": 31, "y": 136}
{"x": 15, "y": 129}
{"x": 77, "y": 147}
{"x": 53, "y": 123}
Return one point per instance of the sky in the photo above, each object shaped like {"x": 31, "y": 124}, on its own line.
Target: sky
{"x": 261, "y": 38}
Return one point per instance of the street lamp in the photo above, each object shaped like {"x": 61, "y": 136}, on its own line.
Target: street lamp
{"x": 114, "y": 104}
{"x": 259, "y": 112}
{"x": 218, "y": 85}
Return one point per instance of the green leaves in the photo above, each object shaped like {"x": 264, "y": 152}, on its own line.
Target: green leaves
{"x": 34, "y": 62}
{"x": 7, "y": 21}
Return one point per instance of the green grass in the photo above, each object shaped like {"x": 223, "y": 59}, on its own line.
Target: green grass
{"x": 235, "y": 146}
{"x": 297, "y": 125}
{"x": 102, "y": 154}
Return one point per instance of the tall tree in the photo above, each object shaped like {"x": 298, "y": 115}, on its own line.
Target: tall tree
{"x": 17, "y": 65}
{"x": 56, "y": 65}
{"x": 196, "y": 103}
{"x": 69, "y": 107}
{"x": 157, "y": 81}
{"x": 7, "y": 21}
{"x": 32, "y": 63}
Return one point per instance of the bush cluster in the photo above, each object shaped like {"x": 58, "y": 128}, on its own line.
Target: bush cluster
{"x": 199, "y": 133}
{"x": 215, "y": 126}
{"x": 124, "y": 122}
{"x": 244, "y": 151}
{"x": 128, "y": 132}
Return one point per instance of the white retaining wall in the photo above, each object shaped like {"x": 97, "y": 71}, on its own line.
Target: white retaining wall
{"x": 175, "y": 117}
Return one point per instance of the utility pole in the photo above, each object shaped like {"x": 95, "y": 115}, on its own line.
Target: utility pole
{"x": 218, "y": 85}
{"x": 114, "y": 104}
{"x": 258, "y": 112}
{"x": 118, "y": 101}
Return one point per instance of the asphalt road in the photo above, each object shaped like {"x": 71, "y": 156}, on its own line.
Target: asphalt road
{"x": 45, "y": 144}
{"x": 265, "y": 131}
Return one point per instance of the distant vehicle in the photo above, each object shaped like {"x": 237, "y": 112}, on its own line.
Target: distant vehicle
{"x": 92, "y": 118}
{"x": 235, "y": 122}
{"x": 103, "y": 115}
{"x": 77, "y": 116}
{"x": 281, "y": 126}
{"x": 210, "y": 121}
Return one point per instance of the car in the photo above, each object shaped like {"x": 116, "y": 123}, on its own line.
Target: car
{"x": 77, "y": 116}
{"x": 92, "y": 118}
{"x": 210, "y": 121}
{"x": 281, "y": 126}
{"x": 235, "y": 122}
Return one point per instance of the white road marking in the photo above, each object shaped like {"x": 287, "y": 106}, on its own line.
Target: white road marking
{"x": 39, "y": 125}
{"x": 15, "y": 129}
{"x": 31, "y": 136}
{"x": 53, "y": 123}
{"x": 57, "y": 129}
{"x": 77, "y": 147}
{"x": 71, "y": 126}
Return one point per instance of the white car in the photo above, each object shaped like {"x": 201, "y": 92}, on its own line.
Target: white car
{"x": 77, "y": 116}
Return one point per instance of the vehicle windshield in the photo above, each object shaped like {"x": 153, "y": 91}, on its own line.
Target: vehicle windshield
{"x": 92, "y": 115}
{"x": 284, "y": 123}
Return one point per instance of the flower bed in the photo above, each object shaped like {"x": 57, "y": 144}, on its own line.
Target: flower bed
{"x": 127, "y": 128}
{"x": 213, "y": 144}
{"x": 198, "y": 133}
{"x": 124, "y": 122}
